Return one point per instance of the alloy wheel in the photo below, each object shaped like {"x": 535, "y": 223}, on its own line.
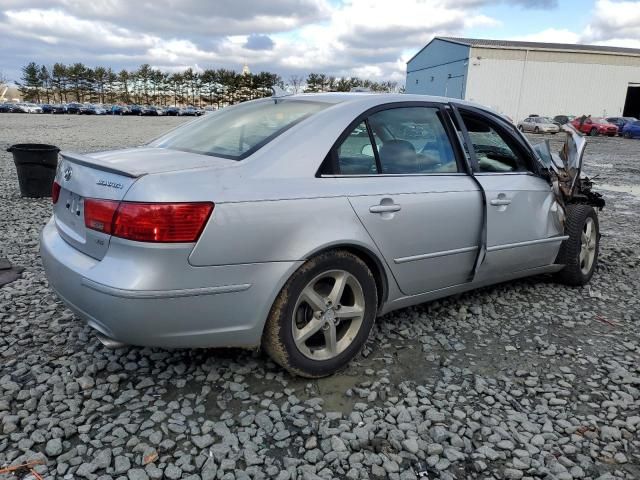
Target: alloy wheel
{"x": 588, "y": 242}
{"x": 328, "y": 315}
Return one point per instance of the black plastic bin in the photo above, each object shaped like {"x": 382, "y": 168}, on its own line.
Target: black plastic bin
{"x": 36, "y": 164}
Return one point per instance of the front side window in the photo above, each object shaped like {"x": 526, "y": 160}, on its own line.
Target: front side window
{"x": 492, "y": 147}
{"x": 237, "y": 132}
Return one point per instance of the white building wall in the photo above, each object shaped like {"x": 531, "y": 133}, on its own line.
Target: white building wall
{"x": 518, "y": 82}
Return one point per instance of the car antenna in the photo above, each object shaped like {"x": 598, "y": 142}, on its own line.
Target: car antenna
{"x": 277, "y": 92}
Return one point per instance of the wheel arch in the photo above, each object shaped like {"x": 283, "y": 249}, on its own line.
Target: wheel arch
{"x": 371, "y": 259}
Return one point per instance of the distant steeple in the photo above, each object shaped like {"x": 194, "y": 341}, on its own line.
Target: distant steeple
{"x": 245, "y": 69}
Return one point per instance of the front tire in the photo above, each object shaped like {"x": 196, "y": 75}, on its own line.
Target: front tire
{"x": 579, "y": 253}
{"x": 536, "y": 130}
{"x": 593, "y": 132}
{"x": 322, "y": 316}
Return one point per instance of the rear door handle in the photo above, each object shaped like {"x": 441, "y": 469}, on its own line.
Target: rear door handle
{"x": 500, "y": 201}
{"x": 385, "y": 208}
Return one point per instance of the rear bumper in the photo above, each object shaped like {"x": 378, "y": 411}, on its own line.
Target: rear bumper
{"x": 151, "y": 296}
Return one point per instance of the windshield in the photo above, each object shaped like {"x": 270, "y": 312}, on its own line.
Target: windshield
{"x": 238, "y": 131}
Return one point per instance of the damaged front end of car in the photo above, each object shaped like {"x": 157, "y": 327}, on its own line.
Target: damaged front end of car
{"x": 563, "y": 170}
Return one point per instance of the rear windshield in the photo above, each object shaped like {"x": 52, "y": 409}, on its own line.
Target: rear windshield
{"x": 236, "y": 132}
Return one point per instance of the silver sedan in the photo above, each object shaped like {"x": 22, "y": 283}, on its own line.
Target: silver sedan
{"x": 292, "y": 222}
{"x": 538, "y": 125}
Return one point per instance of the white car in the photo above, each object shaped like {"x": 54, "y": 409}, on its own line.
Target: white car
{"x": 27, "y": 108}
{"x": 539, "y": 125}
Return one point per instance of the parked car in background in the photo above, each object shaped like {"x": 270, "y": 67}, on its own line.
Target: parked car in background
{"x": 26, "y": 108}
{"x": 120, "y": 110}
{"x": 6, "y": 107}
{"x": 631, "y": 129}
{"x": 152, "y": 111}
{"x": 46, "y": 108}
{"x": 135, "y": 110}
{"x": 595, "y": 126}
{"x": 620, "y": 122}
{"x": 173, "y": 111}
{"x": 92, "y": 109}
{"x": 563, "y": 119}
{"x": 190, "y": 112}
{"x": 74, "y": 107}
{"x": 538, "y": 125}
{"x": 157, "y": 245}
{"x": 58, "y": 108}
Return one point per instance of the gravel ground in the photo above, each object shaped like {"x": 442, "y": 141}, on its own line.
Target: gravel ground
{"x": 528, "y": 379}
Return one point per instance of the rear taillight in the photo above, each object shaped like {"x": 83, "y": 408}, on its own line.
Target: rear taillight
{"x": 98, "y": 214}
{"x": 55, "y": 192}
{"x": 148, "y": 222}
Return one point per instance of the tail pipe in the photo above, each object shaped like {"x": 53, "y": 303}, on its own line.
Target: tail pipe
{"x": 109, "y": 342}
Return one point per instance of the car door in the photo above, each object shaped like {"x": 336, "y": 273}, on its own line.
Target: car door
{"x": 405, "y": 184}
{"x": 524, "y": 228}
{"x": 528, "y": 124}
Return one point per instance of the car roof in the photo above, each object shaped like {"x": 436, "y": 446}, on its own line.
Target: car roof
{"x": 372, "y": 99}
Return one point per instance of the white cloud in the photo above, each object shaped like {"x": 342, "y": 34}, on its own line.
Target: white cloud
{"x": 614, "y": 20}
{"x": 551, "y": 35}
{"x": 368, "y": 38}
{"x": 612, "y": 23}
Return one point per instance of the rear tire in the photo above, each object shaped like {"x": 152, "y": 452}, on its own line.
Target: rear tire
{"x": 520, "y": 128}
{"x": 579, "y": 253}
{"x": 626, "y": 134}
{"x": 312, "y": 331}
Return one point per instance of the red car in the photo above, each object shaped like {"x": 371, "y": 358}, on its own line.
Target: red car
{"x": 595, "y": 126}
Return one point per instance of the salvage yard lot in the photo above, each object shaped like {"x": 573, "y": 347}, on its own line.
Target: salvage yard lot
{"x": 525, "y": 379}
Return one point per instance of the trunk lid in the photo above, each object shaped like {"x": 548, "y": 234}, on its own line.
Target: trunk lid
{"x": 80, "y": 178}
{"x": 108, "y": 176}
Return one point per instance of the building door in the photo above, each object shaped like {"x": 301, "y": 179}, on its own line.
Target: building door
{"x": 632, "y": 102}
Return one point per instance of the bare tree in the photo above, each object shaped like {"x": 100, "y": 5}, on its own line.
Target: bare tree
{"x": 296, "y": 82}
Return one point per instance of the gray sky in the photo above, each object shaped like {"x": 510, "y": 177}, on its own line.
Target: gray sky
{"x": 368, "y": 38}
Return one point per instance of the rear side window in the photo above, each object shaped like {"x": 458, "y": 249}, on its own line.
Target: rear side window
{"x": 404, "y": 140}
{"x": 239, "y": 131}
{"x": 356, "y": 155}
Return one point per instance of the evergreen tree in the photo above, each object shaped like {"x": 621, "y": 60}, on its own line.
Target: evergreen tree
{"x": 31, "y": 85}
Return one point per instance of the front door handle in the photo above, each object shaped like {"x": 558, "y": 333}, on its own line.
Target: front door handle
{"x": 385, "y": 208}
{"x": 500, "y": 201}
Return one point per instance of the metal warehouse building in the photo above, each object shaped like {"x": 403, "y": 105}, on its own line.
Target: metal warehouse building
{"x": 523, "y": 78}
